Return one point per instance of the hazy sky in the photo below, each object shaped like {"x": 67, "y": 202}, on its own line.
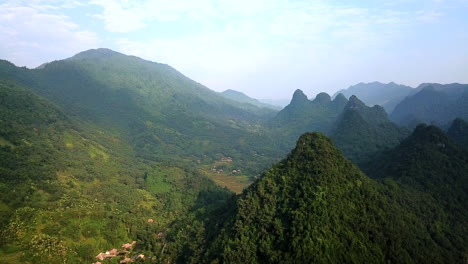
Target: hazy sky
{"x": 265, "y": 48}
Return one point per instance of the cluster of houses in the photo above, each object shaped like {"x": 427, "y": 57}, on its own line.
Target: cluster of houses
{"x": 226, "y": 159}
{"x": 214, "y": 169}
{"x": 123, "y": 253}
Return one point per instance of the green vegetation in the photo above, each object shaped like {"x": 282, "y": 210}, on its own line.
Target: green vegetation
{"x": 70, "y": 190}
{"x": 165, "y": 116}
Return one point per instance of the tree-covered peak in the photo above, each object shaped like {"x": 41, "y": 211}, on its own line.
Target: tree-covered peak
{"x": 340, "y": 98}
{"x": 299, "y": 97}
{"x": 99, "y": 53}
{"x": 458, "y": 131}
{"x": 313, "y": 146}
{"x": 354, "y": 103}
{"x": 424, "y": 134}
{"x": 322, "y": 98}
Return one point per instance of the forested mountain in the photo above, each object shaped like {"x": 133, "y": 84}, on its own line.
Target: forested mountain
{"x": 433, "y": 104}
{"x": 162, "y": 113}
{"x": 303, "y": 115}
{"x": 376, "y": 93}
{"x": 317, "y": 207}
{"x": 361, "y": 132}
{"x": 428, "y": 161}
{"x": 243, "y": 98}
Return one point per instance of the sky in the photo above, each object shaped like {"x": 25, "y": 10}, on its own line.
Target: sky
{"x": 264, "y": 48}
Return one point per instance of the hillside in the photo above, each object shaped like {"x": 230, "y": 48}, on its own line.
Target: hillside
{"x": 361, "y": 132}
{"x": 317, "y": 207}
{"x": 433, "y": 104}
{"x": 376, "y": 93}
{"x": 71, "y": 190}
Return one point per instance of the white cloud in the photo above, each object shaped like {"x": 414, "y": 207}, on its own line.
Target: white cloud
{"x": 31, "y": 36}
{"x": 126, "y": 16}
{"x": 430, "y": 16}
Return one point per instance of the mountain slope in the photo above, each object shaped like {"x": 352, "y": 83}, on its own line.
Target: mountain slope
{"x": 70, "y": 189}
{"x": 376, "y": 93}
{"x": 317, "y": 207}
{"x": 163, "y": 114}
{"x": 361, "y": 132}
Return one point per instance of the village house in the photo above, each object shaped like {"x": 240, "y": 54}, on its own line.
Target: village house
{"x": 128, "y": 246}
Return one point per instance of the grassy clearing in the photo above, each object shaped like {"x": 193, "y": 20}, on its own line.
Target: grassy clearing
{"x": 235, "y": 183}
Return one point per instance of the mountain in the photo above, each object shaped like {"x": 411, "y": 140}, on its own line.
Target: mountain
{"x": 243, "y": 98}
{"x": 458, "y": 132}
{"x": 317, "y": 207}
{"x": 361, "y": 132}
{"x": 433, "y": 104}
{"x": 71, "y": 189}
{"x": 303, "y": 115}
{"x": 164, "y": 115}
{"x": 376, "y": 93}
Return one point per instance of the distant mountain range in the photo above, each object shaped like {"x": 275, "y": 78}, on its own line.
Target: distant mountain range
{"x": 376, "y": 93}
{"x": 433, "y": 104}
{"x": 430, "y": 103}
